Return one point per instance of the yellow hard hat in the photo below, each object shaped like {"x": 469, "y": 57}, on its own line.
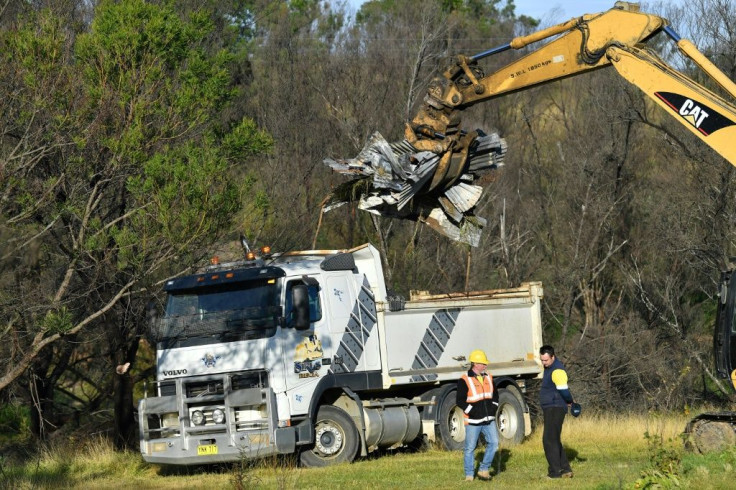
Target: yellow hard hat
{"x": 478, "y": 356}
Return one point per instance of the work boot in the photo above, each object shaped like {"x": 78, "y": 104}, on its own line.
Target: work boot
{"x": 484, "y": 475}
{"x": 469, "y": 478}
{"x": 566, "y": 474}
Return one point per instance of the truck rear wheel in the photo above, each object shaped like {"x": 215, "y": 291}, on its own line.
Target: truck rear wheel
{"x": 335, "y": 439}
{"x": 510, "y": 418}
{"x": 451, "y": 424}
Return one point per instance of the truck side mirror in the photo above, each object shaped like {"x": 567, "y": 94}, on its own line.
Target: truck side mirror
{"x": 300, "y": 305}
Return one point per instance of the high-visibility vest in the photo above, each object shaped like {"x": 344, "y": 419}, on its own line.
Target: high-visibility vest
{"x": 479, "y": 393}
{"x": 476, "y": 390}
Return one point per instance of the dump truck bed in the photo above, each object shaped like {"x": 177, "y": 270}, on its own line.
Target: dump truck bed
{"x": 430, "y": 336}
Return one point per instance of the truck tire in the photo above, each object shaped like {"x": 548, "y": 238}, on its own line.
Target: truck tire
{"x": 336, "y": 439}
{"x": 509, "y": 418}
{"x": 712, "y": 435}
{"x": 451, "y": 424}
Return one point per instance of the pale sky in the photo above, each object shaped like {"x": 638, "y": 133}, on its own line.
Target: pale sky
{"x": 548, "y": 11}
{"x": 555, "y": 11}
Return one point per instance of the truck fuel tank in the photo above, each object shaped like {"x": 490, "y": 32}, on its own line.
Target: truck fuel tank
{"x": 390, "y": 422}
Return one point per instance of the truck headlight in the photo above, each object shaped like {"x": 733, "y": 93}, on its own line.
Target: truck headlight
{"x": 197, "y": 417}
{"x": 218, "y": 416}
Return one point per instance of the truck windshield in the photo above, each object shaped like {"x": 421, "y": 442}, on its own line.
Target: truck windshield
{"x": 223, "y": 313}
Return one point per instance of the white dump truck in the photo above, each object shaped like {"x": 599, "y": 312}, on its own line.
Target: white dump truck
{"x": 305, "y": 353}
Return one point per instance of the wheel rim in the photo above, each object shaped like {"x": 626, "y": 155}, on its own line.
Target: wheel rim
{"x": 508, "y": 422}
{"x": 456, "y": 424}
{"x": 328, "y": 440}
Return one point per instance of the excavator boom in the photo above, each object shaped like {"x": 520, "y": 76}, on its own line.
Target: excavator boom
{"x": 613, "y": 38}
{"x": 433, "y": 174}
{"x": 702, "y": 112}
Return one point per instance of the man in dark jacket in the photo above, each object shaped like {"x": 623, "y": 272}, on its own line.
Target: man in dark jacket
{"x": 479, "y": 402}
{"x": 554, "y": 398}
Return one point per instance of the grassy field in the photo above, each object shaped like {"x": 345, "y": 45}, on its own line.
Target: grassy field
{"x": 605, "y": 452}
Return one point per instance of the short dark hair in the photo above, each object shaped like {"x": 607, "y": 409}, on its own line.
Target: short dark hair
{"x": 547, "y": 349}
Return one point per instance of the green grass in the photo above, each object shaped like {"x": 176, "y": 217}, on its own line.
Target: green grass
{"x": 606, "y": 452}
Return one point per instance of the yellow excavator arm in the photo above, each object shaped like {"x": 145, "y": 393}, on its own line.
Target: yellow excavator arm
{"x": 615, "y": 38}
{"x": 705, "y": 114}
{"x": 430, "y": 176}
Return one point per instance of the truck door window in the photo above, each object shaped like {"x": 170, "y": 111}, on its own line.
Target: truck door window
{"x": 315, "y": 307}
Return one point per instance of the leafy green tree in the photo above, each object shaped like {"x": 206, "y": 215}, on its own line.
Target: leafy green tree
{"x": 120, "y": 171}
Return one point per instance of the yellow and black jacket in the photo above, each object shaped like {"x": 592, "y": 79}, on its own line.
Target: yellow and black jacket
{"x": 554, "y": 391}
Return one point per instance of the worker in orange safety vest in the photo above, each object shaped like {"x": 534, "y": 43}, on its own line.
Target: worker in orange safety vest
{"x": 478, "y": 400}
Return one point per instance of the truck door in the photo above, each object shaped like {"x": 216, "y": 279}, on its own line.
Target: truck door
{"x": 724, "y": 338}
{"x": 305, "y": 351}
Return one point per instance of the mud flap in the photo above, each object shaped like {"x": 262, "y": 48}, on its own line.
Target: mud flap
{"x": 285, "y": 440}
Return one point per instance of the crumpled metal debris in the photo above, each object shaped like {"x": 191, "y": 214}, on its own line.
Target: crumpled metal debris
{"x": 398, "y": 181}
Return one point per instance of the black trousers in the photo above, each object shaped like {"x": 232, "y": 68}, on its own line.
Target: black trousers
{"x": 553, "y": 450}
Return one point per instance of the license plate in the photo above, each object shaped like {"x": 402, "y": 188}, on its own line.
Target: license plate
{"x": 207, "y": 450}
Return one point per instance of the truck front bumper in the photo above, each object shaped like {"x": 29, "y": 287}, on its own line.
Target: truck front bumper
{"x": 204, "y": 420}
{"x": 208, "y": 448}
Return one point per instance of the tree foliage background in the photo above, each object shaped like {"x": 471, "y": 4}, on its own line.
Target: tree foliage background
{"x": 139, "y": 137}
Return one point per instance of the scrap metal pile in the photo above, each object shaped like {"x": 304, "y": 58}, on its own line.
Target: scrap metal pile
{"x": 399, "y": 181}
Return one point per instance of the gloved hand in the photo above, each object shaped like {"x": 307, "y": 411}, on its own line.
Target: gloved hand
{"x": 575, "y": 409}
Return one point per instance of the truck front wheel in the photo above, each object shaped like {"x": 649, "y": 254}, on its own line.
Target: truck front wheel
{"x": 335, "y": 439}
{"x": 510, "y": 417}
{"x": 451, "y": 424}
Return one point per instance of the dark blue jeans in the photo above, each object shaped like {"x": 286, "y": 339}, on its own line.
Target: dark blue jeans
{"x": 553, "y": 450}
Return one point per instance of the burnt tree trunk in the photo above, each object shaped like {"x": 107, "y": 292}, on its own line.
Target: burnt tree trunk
{"x": 125, "y": 426}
